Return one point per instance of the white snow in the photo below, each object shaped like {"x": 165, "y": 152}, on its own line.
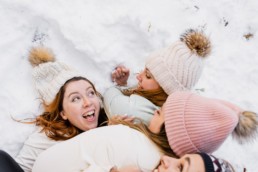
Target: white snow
{"x": 95, "y": 36}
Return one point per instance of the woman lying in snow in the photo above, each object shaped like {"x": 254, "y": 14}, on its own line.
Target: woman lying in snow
{"x": 71, "y": 105}
{"x": 174, "y": 68}
{"x": 186, "y": 124}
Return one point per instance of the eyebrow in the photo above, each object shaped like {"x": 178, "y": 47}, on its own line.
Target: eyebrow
{"x": 148, "y": 72}
{"x": 75, "y": 92}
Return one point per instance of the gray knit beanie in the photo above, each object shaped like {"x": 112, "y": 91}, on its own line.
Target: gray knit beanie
{"x": 49, "y": 75}
{"x": 179, "y": 66}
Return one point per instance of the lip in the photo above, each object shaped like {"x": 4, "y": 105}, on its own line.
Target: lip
{"x": 91, "y": 117}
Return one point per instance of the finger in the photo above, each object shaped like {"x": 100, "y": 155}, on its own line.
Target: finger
{"x": 123, "y": 117}
{"x": 114, "y": 72}
{"x": 130, "y": 119}
{"x": 119, "y": 71}
{"x": 125, "y": 70}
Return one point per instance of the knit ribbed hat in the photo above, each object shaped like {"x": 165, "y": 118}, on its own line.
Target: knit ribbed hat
{"x": 198, "y": 124}
{"x": 179, "y": 66}
{"x": 49, "y": 75}
{"x": 213, "y": 164}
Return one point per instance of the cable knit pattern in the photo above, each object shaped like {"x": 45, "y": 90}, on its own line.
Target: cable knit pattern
{"x": 179, "y": 67}
{"x": 50, "y": 77}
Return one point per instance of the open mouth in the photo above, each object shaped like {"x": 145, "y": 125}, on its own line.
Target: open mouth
{"x": 90, "y": 116}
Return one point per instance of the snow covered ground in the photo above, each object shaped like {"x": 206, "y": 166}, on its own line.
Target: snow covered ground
{"x": 95, "y": 36}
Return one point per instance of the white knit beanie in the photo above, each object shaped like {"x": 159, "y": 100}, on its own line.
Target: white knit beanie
{"x": 179, "y": 66}
{"x": 49, "y": 75}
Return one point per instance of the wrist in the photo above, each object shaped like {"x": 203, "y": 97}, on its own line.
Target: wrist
{"x": 123, "y": 84}
{"x": 114, "y": 169}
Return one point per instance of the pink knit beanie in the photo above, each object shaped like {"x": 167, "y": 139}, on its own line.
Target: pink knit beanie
{"x": 198, "y": 124}
{"x": 179, "y": 66}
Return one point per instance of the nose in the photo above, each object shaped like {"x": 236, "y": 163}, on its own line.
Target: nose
{"x": 168, "y": 162}
{"x": 86, "y": 102}
{"x": 139, "y": 76}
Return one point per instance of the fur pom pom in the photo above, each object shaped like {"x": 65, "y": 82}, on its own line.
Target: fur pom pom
{"x": 38, "y": 55}
{"x": 246, "y": 129}
{"x": 196, "y": 41}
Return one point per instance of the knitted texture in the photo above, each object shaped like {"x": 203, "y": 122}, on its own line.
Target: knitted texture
{"x": 198, "y": 124}
{"x": 213, "y": 164}
{"x": 179, "y": 66}
{"x": 49, "y": 75}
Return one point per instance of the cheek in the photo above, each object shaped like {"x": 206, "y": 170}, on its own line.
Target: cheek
{"x": 96, "y": 101}
{"x": 155, "y": 85}
{"x": 153, "y": 126}
{"x": 70, "y": 108}
{"x": 151, "y": 84}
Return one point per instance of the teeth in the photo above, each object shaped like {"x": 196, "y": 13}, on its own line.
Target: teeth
{"x": 88, "y": 114}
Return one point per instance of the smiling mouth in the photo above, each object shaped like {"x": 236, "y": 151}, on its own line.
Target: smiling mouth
{"x": 90, "y": 116}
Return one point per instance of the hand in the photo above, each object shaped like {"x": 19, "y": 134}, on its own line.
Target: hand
{"x": 124, "y": 118}
{"x": 129, "y": 168}
{"x": 120, "y": 75}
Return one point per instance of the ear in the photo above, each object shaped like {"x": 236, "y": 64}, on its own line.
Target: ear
{"x": 63, "y": 115}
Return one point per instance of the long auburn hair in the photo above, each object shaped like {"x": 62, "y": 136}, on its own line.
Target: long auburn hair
{"x": 160, "y": 139}
{"x": 157, "y": 96}
{"x": 54, "y": 126}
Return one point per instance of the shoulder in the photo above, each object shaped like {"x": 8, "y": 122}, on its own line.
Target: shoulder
{"x": 40, "y": 140}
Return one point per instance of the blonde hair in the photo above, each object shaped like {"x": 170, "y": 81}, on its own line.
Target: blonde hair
{"x": 160, "y": 139}
{"x": 157, "y": 96}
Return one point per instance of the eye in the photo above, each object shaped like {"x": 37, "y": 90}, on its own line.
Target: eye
{"x": 76, "y": 99}
{"x": 180, "y": 167}
{"x": 148, "y": 76}
{"x": 158, "y": 111}
{"x": 91, "y": 93}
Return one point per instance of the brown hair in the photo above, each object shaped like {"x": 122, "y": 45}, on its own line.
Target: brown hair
{"x": 160, "y": 139}
{"x": 157, "y": 96}
{"x": 54, "y": 126}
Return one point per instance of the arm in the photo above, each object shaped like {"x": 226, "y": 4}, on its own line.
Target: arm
{"x": 125, "y": 169}
{"x": 115, "y": 103}
{"x": 33, "y": 146}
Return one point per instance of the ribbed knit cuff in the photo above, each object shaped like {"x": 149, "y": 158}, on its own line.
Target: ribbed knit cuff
{"x": 207, "y": 162}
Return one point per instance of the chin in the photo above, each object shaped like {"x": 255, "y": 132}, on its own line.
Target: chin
{"x": 92, "y": 126}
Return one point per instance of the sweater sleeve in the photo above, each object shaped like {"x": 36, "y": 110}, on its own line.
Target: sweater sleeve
{"x": 116, "y": 103}
{"x": 33, "y": 146}
{"x": 114, "y": 97}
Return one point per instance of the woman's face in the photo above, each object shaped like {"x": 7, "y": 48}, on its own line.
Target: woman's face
{"x": 157, "y": 121}
{"x": 187, "y": 163}
{"x": 146, "y": 81}
{"x": 81, "y": 105}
